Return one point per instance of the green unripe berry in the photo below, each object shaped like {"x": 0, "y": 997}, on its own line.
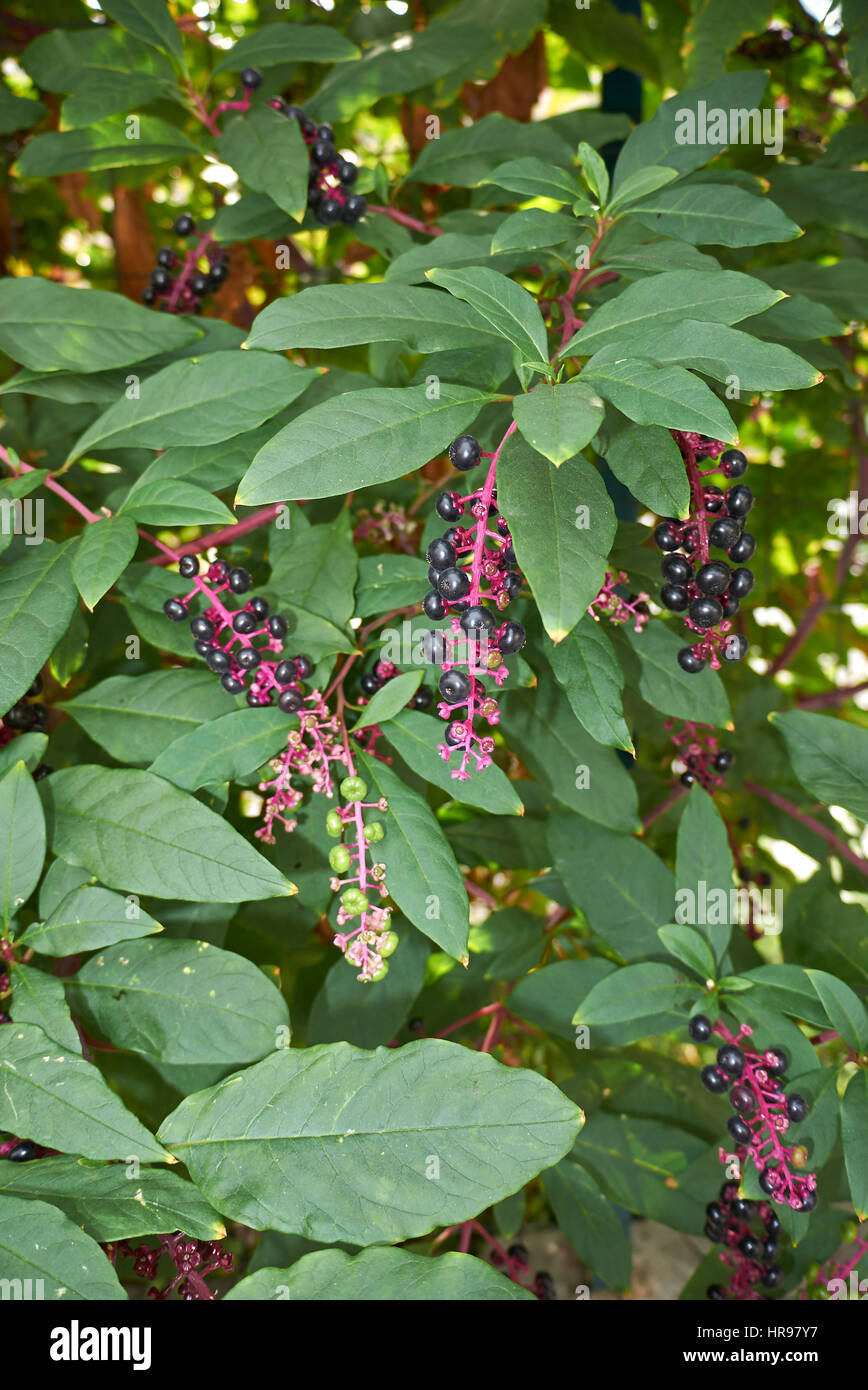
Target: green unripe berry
{"x": 334, "y": 825}
{"x": 850, "y": 1232}
{"x": 390, "y": 944}
{"x": 339, "y": 858}
{"x": 381, "y": 973}
{"x": 354, "y": 901}
{"x": 374, "y": 832}
{"x": 353, "y": 789}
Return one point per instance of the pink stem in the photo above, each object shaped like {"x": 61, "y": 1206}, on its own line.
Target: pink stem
{"x": 224, "y": 536}
{"x": 810, "y": 824}
{"x": 406, "y": 220}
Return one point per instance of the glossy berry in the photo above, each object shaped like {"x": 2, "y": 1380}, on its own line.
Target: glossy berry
{"x": 23, "y": 1151}
{"x": 218, "y": 660}
{"x": 771, "y": 1250}
{"x": 353, "y": 209}
{"x": 455, "y": 687}
{"x": 289, "y": 701}
{"x": 512, "y": 584}
{"x": 751, "y": 1247}
{"x": 149, "y": 295}
{"x": 688, "y": 779}
{"x": 258, "y": 606}
{"x": 433, "y": 606}
{"x": 202, "y": 628}
{"x": 797, "y": 1109}
{"x": 738, "y": 1130}
{"x": 160, "y": 279}
{"x": 201, "y": 647}
{"x": 773, "y": 1278}
{"x": 713, "y": 497}
{"x": 453, "y": 584}
{"x": 742, "y": 583}
{"x": 353, "y": 789}
{"x": 304, "y": 667}
{"x": 739, "y": 500}
{"x": 285, "y": 672}
{"x": 706, "y": 612}
{"x": 464, "y": 452}
{"x": 730, "y": 1059}
{"x": 713, "y": 578}
{"x": 477, "y": 619}
{"x": 447, "y": 506}
{"x": 809, "y": 1201}
{"x": 239, "y": 580}
{"x": 248, "y": 658}
{"x": 741, "y": 1208}
{"x": 251, "y": 79}
{"x": 776, "y": 1060}
{"x": 188, "y": 566}
{"x": 183, "y": 225}
{"x": 724, "y": 533}
{"x": 733, "y": 463}
{"x": 699, "y": 1028}
{"x": 440, "y": 554}
{"x": 724, "y": 760}
{"x": 166, "y": 257}
{"x": 347, "y": 172}
{"x": 423, "y": 697}
{"x": 512, "y": 639}
{"x": 231, "y": 684}
{"x": 667, "y": 536}
{"x": 674, "y": 597}
{"x": 734, "y": 648}
{"x": 676, "y": 569}
{"x": 323, "y": 152}
{"x": 772, "y": 1223}
{"x": 20, "y": 716}
{"x": 369, "y": 684}
{"x": 244, "y": 622}
{"x": 339, "y": 858}
{"x": 277, "y": 626}
{"x": 329, "y": 210}
{"x": 175, "y": 610}
{"x": 200, "y": 285}
{"x": 42, "y": 770}
{"x": 741, "y": 1099}
{"x": 689, "y": 661}
{"x": 713, "y": 1081}
{"x": 744, "y": 548}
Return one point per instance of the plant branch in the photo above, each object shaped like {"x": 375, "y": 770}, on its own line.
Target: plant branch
{"x": 809, "y": 823}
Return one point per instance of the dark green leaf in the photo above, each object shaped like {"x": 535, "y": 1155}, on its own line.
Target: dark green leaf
{"x": 50, "y": 1256}
{"x": 104, "y": 551}
{"x": 87, "y": 919}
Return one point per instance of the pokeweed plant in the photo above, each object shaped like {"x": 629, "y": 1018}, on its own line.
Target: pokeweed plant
{"x": 329, "y": 311}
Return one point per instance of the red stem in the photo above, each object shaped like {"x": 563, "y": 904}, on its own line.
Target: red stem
{"x": 810, "y": 824}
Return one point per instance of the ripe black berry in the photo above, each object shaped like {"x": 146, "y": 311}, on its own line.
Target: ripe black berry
{"x": 751, "y": 1247}
{"x": 724, "y": 760}
{"x": 512, "y": 639}
{"x": 231, "y": 684}
{"x": 797, "y": 1108}
{"x": 174, "y": 610}
{"x": 667, "y": 536}
{"x": 347, "y": 172}
{"x": 464, "y": 452}
{"x": 259, "y": 606}
{"x": 433, "y": 606}
{"x": 674, "y": 597}
{"x": 289, "y": 701}
{"x": 354, "y": 208}
{"x": 415, "y": 1025}
{"x": 733, "y": 463}
{"x": 323, "y": 152}
{"x": 734, "y": 648}
{"x": 772, "y": 1223}
{"x": 477, "y": 619}
{"x": 20, "y": 716}
{"x": 742, "y": 1208}
{"x": 715, "y": 1214}
{"x": 369, "y": 684}
{"x": 440, "y": 554}
{"x": 447, "y": 506}
{"x": 166, "y": 257}
{"x": 285, "y": 672}
{"x": 809, "y": 1201}
{"x": 741, "y": 1099}
{"x": 767, "y": 1181}
{"x": 188, "y": 566}
{"x": 713, "y": 497}
{"x": 277, "y": 625}
{"x": 149, "y": 295}
{"x": 689, "y": 661}
{"x": 248, "y": 658}
{"x": 743, "y": 549}
{"x": 739, "y": 500}
{"x": 455, "y": 687}
{"x": 304, "y": 667}
{"x": 730, "y": 1059}
{"x": 42, "y": 770}
{"x": 512, "y": 584}
{"x": 239, "y": 580}
{"x": 218, "y": 660}
{"x": 201, "y": 647}
{"x": 713, "y": 578}
{"x": 742, "y": 583}
{"x": 422, "y": 698}
{"x": 773, "y": 1278}
{"x": 202, "y": 628}
{"x": 676, "y": 569}
{"x": 23, "y": 1151}
{"x": 699, "y": 1028}
{"x": 724, "y": 533}
{"x": 713, "y": 1080}
{"x": 329, "y": 210}
{"x": 251, "y": 79}
{"x": 771, "y": 1250}
{"x": 776, "y": 1060}
{"x": 160, "y": 279}
{"x": 183, "y": 225}
{"x": 688, "y": 779}
{"x": 244, "y": 622}
{"x": 453, "y": 583}
{"x": 738, "y": 1130}
{"x": 706, "y": 612}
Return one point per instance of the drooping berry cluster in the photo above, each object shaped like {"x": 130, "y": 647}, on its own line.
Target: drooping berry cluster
{"x": 467, "y": 564}
{"x": 632, "y": 609}
{"x": 516, "y": 1265}
{"x": 697, "y": 748}
{"x": 707, "y": 591}
{"x": 310, "y": 751}
{"x": 763, "y": 1112}
{"x": 370, "y": 943}
{"x": 225, "y": 637}
{"x": 194, "y": 1261}
{"x": 331, "y": 179}
{"x": 179, "y": 281}
{"x": 750, "y": 1254}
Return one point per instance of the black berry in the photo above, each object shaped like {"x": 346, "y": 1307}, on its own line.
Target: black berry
{"x": 674, "y": 597}
{"x": 733, "y": 463}
{"x": 706, "y": 612}
{"x": 730, "y": 1059}
{"x": 174, "y": 610}
{"x": 689, "y": 661}
{"x": 713, "y": 578}
{"x": 455, "y": 687}
{"x": 699, "y": 1028}
{"x": 724, "y": 533}
{"x": 797, "y": 1108}
{"x": 251, "y": 79}
{"x": 464, "y": 452}
{"x": 713, "y": 1080}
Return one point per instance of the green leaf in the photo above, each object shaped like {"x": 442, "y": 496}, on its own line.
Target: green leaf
{"x": 380, "y": 1274}
{"x": 104, "y": 145}
{"x": 532, "y": 228}
{"x": 829, "y": 756}
{"x": 639, "y": 1163}
{"x": 590, "y": 1222}
{"x": 648, "y": 461}
{"x": 22, "y": 840}
{"x": 594, "y": 171}
{"x": 670, "y": 690}
{"x": 415, "y": 738}
{"x": 388, "y": 581}
{"x": 638, "y": 1001}
{"x": 297, "y": 1142}
{"x": 108, "y": 1205}
{"x": 284, "y": 42}
{"x": 50, "y": 1255}
{"x": 558, "y": 421}
{"x": 510, "y": 309}
{"x": 329, "y": 316}
{"x": 165, "y": 502}
{"x": 854, "y": 1136}
{"x": 136, "y": 718}
{"x": 581, "y": 773}
{"x": 37, "y": 600}
{"x": 318, "y": 570}
{"x": 180, "y": 1001}
{"x": 345, "y": 1011}
{"x": 200, "y": 400}
{"x": 845, "y": 1010}
{"x": 44, "y": 325}
{"x": 60, "y": 1101}
{"x": 562, "y": 523}
{"x": 715, "y": 215}
{"x": 788, "y": 989}
{"x": 151, "y": 22}
{"x": 18, "y": 113}
{"x": 38, "y": 998}
{"x": 385, "y": 703}
{"x": 62, "y": 59}
{"x": 586, "y": 666}
{"x": 621, "y": 886}
{"x": 467, "y": 156}
{"x": 421, "y": 873}
{"x": 686, "y": 944}
{"x": 107, "y": 93}
{"x": 663, "y": 301}
{"x": 714, "y": 30}
{"x": 270, "y": 156}
{"x": 104, "y": 551}
{"x": 704, "y": 866}
{"x": 547, "y": 997}
{"x": 639, "y": 184}
{"x": 655, "y": 395}
{"x": 87, "y": 919}
{"x": 726, "y": 353}
{"x": 533, "y": 178}
{"x": 227, "y": 749}
{"x": 358, "y": 439}
{"x": 138, "y": 833}
{"x": 26, "y": 748}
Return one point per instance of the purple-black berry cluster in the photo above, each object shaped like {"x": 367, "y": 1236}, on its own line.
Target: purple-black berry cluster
{"x": 177, "y": 283}
{"x": 329, "y": 196}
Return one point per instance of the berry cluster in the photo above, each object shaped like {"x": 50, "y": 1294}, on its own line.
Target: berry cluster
{"x": 194, "y": 1260}
{"x": 750, "y": 1255}
{"x": 516, "y": 1265}
{"x": 763, "y": 1112}
{"x": 24, "y": 716}
{"x": 371, "y": 942}
{"x": 632, "y": 609}
{"x": 329, "y": 194}
{"x": 697, "y": 749}
{"x": 708, "y": 591}
{"x": 178, "y": 282}
{"x": 224, "y": 637}
{"x": 466, "y": 564}
{"x": 310, "y": 751}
